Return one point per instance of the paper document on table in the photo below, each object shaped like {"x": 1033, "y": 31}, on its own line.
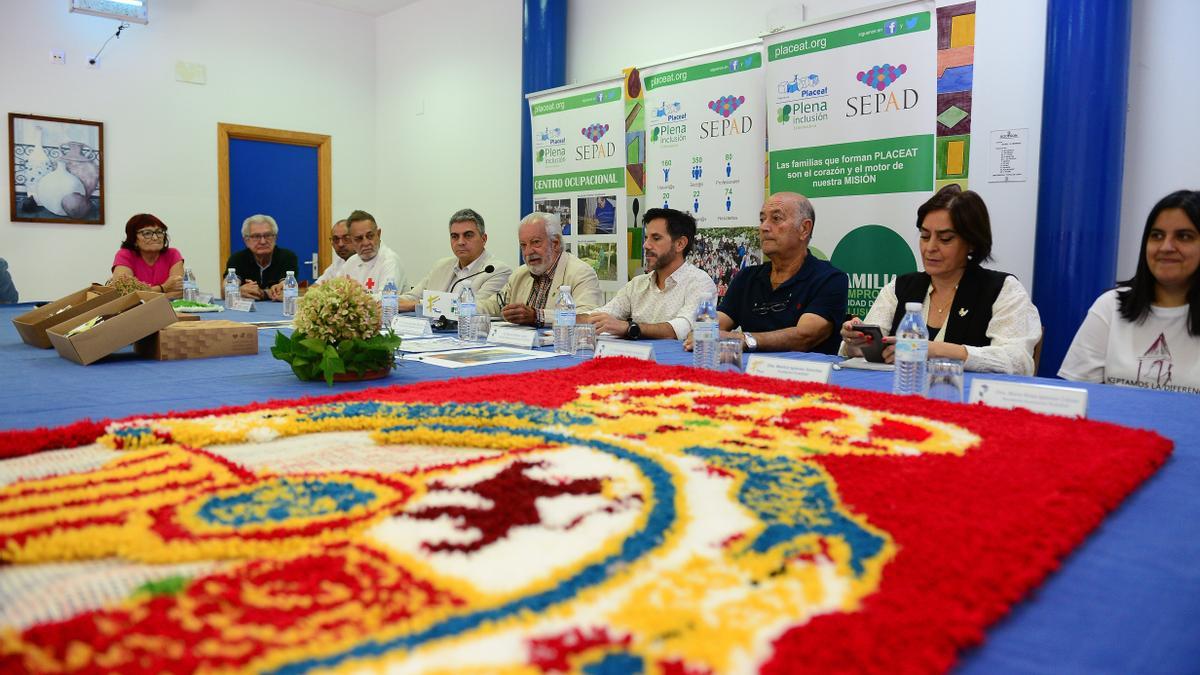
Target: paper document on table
{"x": 264, "y": 325}
{"x": 859, "y": 363}
{"x": 503, "y": 332}
{"x": 434, "y": 344}
{"x": 463, "y": 358}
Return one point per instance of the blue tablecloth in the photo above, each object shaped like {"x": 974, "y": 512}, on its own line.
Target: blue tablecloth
{"x": 1126, "y": 601}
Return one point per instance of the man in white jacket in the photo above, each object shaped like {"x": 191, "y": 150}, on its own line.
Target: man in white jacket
{"x": 343, "y": 249}
{"x": 375, "y": 263}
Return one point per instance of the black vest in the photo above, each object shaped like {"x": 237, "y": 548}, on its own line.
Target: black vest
{"x": 970, "y": 312}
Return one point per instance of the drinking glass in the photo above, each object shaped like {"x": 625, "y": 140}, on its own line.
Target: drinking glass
{"x": 585, "y": 340}
{"x": 481, "y": 325}
{"x": 729, "y": 355}
{"x": 945, "y": 379}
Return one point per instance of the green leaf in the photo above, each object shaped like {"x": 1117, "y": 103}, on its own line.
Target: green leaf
{"x": 282, "y": 349}
{"x": 331, "y": 364}
{"x": 315, "y": 346}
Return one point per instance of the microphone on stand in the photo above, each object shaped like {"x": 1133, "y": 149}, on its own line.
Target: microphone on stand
{"x": 487, "y": 270}
{"x": 442, "y": 322}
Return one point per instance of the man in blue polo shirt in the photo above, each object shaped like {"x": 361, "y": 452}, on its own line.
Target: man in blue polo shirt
{"x": 795, "y": 301}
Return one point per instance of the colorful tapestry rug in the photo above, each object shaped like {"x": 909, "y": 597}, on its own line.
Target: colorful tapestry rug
{"x": 612, "y": 517}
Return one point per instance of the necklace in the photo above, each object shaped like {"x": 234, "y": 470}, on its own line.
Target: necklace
{"x": 945, "y": 305}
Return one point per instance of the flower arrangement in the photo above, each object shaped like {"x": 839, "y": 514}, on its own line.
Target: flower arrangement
{"x": 337, "y": 332}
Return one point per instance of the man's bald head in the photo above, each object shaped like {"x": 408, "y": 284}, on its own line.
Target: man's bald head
{"x": 785, "y": 223}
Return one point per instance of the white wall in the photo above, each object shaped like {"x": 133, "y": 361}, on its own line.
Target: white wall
{"x": 1009, "y": 73}
{"x": 448, "y": 128}
{"x": 604, "y": 36}
{"x": 1162, "y": 147}
{"x": 272, "y": 63}
{"x": 1007, "y": 92}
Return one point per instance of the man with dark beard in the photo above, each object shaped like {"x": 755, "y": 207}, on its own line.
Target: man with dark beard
{"x": 661, "y": 302}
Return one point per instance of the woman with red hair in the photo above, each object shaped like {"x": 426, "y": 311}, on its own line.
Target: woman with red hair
{"x": 146, "y": 255}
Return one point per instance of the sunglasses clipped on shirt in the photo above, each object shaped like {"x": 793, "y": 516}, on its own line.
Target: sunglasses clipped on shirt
{"x": 768, "y": 307}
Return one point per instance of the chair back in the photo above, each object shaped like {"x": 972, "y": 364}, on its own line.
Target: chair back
{"x": 1037, "y": 351}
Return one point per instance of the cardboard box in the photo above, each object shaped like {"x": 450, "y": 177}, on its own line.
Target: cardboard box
{"x": 200, "y": 340}
{"x": 129, "y": 319}
{"x": 32, "y": 325}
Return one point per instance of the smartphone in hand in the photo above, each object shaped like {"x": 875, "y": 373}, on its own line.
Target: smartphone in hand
{"x": 873, "y": 349}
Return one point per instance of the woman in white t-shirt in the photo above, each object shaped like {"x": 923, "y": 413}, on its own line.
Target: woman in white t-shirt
{"x": 1146, "y": 332}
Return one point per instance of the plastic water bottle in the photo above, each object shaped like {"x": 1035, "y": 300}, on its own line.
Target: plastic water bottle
{"x": 291, "y": 291}
{"x": 233, "y": 288}
{"x": 912, "y": 352}
{"x": 466, "y": 312}
{"x": 390, "y": 303}
{"x": 191, "y": 290}
{"x": 564, "y": 322}
{"x": 705, "y": 333}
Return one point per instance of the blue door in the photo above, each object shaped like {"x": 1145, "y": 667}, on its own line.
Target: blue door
{"x": 281, "y": 181}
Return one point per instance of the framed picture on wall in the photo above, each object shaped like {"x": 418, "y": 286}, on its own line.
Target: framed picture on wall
{"x": 56, "y": 167}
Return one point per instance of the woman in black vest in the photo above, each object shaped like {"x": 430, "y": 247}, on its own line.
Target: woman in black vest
{"x": 976, "y": 315}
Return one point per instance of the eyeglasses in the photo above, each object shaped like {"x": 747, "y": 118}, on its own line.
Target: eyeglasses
{"x": 261, "y": 237}
{"x": 335, "y": 239}
{"x": 151, "y": 234}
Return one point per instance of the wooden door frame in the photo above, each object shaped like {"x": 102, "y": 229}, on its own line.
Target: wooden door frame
{"x": 321, "y": 142}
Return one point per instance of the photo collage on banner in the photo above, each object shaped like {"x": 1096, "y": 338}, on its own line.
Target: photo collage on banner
{"x": 579, "y": 173}
{"x": 853, "y": 128}
{"x": 955, "y": 81}
{"x": 705, "y": 138}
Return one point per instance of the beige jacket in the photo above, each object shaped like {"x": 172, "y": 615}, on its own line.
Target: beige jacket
{"x": 571, "y": 271}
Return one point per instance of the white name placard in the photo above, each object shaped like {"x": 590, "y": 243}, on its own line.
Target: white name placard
{"x": 1042, "y": 398}
{"x": 638, "y": 350}
{"x": 789, "y": 369}
{"x": 439, "y": 303}
{"x": 411, "y": 326}
{"x": 243, "y": 305}
{"x": 517, "y": 336}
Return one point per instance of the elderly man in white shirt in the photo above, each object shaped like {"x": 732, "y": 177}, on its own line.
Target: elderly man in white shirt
{"x": 661, "y": 302}
{"x": 374, "y": 263}
{"x": 471, "y": 265}
{"x": 343, "y": 249}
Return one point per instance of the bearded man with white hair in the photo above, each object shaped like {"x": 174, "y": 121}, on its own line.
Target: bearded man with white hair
{"x": 529, "y": 296}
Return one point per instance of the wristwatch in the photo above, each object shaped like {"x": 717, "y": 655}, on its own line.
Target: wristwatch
{"x": 634, "y": 332}
{"x": 751, "y": 343}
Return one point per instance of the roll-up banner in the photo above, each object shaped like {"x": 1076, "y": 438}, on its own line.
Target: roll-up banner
{"x": 852, "y": 123}
{"x": 579, "y": 172}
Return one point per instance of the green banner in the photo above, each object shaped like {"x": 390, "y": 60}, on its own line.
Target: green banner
{"x": 704, "y": 71}
{"x": 577, "y": 101}
{"x": 876, "y": 30}
{"x": 902, "y": 164}
{"x": 599, "y": 179}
